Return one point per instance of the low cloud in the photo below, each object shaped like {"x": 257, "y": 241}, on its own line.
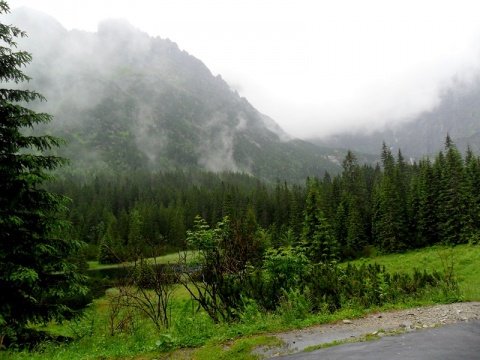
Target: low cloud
{"x": 217, "y": 153}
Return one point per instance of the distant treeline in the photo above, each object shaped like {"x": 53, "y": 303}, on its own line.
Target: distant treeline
{"x": 392, "y": 207}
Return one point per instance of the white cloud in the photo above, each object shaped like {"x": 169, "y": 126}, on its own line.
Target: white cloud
{"x": 313, "y": 66}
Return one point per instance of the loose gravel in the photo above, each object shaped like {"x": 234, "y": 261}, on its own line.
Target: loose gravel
{"x": 376, "y": 324}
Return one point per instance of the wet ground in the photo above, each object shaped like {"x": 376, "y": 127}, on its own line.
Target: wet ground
{"x": 459, "y": 341}
{"x": 375, "y": 325}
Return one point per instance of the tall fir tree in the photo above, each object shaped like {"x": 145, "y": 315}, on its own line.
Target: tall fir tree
{"x": 456, "y": 212}
{"x": 355, "y": 202}
{"x": 472, "y": 164}
{"x": 317, "y": 237}
{"x": 36, "y": 276}
{"x": 427, "y": 220}
{"x": 388, "y": 222}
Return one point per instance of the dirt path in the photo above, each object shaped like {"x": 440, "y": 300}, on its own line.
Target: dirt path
{"x": 377, "y": 324}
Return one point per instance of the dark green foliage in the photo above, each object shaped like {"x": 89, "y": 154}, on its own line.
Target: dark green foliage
{"x": 355, "y": 203}
{"x": 317, "y": 237}
{"x": 36, "y": 276}
{"x": 224, "y": 258}
{"x": 286, "y": 280}
{"x": 473, "y": 177}
{"x": 389, "y": 220}
{"x": 368, "y": 285}
{"x": 455, "y": 210}
{"x": 400, "y": 208}
{"x": 283, "y": 269}
{"x": 428, "y": 187}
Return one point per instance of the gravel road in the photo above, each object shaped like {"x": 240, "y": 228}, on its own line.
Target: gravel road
{"x": 458, "y": 341}
{"x": 377, "y": 324}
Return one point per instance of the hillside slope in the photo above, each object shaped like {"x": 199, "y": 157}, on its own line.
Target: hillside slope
{"x": 125, "y": 100}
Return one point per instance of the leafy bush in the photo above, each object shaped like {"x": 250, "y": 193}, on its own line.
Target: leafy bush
{"x": 295, "y": 306}
{"x": 365, "y": 286}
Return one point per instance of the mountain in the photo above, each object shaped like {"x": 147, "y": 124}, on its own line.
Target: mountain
{"x": 457, "y": 114}
{"x": 126, "y": 101}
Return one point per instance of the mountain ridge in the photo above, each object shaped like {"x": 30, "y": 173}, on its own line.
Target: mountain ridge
{"x": 457, "y": 114}
{"x": 135, "y": 101}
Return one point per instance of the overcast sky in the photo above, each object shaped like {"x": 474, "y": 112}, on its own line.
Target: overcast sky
{"x": 315, "y": 67}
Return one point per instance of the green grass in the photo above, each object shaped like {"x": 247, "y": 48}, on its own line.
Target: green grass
{"x": 164, "y": 259}
{"x": 195, "y": 336}
{"x": 466, "y": 264}
{"x": 236, "y": 350}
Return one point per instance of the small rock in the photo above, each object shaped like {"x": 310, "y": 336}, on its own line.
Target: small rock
{"x": 347, "y": 321}
{"x": 459, "y": 311}
{"x": 379, "y": 316}
{"x": 407, "y": 325}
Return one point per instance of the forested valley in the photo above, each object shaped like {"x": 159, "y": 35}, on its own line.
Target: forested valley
{"x": 391, "y": 207}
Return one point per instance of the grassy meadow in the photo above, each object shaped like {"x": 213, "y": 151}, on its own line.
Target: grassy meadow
{"x": 462, "y": 260}
{"x": 193, "y": 335}
{"x": 165, "y": 259}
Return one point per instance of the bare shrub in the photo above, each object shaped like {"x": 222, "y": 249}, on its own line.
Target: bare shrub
{"x": 145, "y": 291}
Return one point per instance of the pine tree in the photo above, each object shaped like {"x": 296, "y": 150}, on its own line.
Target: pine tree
{"x": 456, "y": 226}
{"x": 473, "y": 177}
{"x": 110, "y": 251}
{"x": 339, "y": 225}
{"x": 36, "y": 276}
{"x": 388, "y": 223}
{"x": 296, "y": 210}
{"x": 427, "y": 212}
{"x": 136, "y": 241}
{"x": 355, "y": 202}
{"x": 318, "y": 237}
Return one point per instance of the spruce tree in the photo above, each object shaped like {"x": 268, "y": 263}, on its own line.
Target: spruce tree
{"x": 110, "y": 251}
{"x": 455, "y": 209}
{"x": 473, "y": 175}
{"x": 388, "y": 222}
{"x": 36, "y": 277}
{"x": 355, "y": 202}
{"x": 318, "y": 237}
{"x": 427, "y": 219}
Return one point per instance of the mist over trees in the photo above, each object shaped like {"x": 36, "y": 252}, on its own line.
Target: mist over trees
{"x": 126, "y": 101}
{"x": 391, "y": 207}
{"x": 423, "y": 135}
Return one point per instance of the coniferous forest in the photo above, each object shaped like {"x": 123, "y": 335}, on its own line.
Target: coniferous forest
{"x": 391, "y": 207}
